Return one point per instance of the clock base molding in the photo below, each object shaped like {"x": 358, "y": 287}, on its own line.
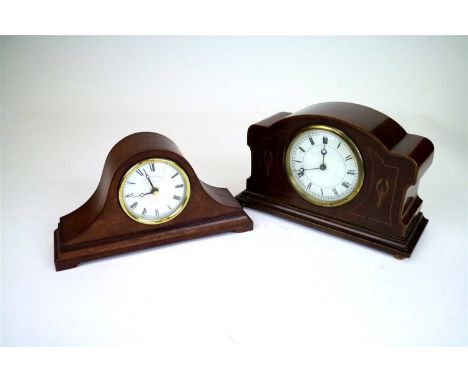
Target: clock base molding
{"x": 67, "y": 258}
{"x": 399, "y": 248}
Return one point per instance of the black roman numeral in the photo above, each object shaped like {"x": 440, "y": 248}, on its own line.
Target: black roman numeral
{"x": 168, "y": 206}
{"x": 345, "y": 184}
{"x": 128, "y": 195}
{"x": 311, "y": 141}
{"x": 337, "y": 147}
{"x": 152, "y": 166}
{"x": 325, "y": 140}
{"x": 131, "y": 183}
{"x": 309, "y": 186}
{"x": 321, "y": 190}
{"x": 173, "y": 176}
{"x": 348, "y": 157}
{"x": 133, "y": 206}
{"x": 139, "y": 172}
{"x": 300, "y": 148}
{"x": 143, "y": 213}
{"x": 336, "y": 192}
{"x": 156, "y": 213}
{"x": 175, "y": 197}
{"x": 179, "y": 186}
{"x": 350, "y": 172}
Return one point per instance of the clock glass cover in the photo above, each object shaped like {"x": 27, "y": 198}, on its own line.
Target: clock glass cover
{"x": 324, "y": 166}
{"x": 154, "y": 191}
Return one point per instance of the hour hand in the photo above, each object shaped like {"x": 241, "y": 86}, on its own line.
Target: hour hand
{"x": 324, "y": 152}
{"x": 142, "y": 194}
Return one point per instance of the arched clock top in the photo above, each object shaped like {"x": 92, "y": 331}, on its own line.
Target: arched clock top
{"x": 380, "y": 127}
{"x": 121, "y": 157}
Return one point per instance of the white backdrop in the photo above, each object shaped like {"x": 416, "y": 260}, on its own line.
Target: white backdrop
{"x": 66, "y": 101}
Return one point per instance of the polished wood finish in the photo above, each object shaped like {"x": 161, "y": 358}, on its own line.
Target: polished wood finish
{"x": 100, "y": 228}
{"x": 385, "y": 214}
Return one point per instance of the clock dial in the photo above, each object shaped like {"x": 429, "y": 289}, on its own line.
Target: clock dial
{"x": 154, "y": 191}
{"x": 324, "y": 166}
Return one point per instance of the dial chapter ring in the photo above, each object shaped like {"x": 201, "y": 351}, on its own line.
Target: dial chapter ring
{"x": 303, "y": 193}
{"x": 176, "y": 211}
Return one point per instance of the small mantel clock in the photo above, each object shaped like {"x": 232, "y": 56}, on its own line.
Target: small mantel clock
{"x": 148, "y": 195}
{"x": 343, "y": 168}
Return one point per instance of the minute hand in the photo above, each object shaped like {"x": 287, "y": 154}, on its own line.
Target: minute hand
{"x": 149, "y": 180}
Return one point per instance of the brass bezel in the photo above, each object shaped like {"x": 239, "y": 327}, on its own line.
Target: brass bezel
{"x": 303, "y": 193}
{"x": 176, "y": 212}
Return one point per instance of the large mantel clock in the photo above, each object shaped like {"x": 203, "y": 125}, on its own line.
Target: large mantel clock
{"x": 148, "y": 195}
{"x": 343, "y": 168}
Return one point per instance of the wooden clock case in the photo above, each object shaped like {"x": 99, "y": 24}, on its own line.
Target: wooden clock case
{"x": 100, "y": 228}
{"x": 385, "y": 214}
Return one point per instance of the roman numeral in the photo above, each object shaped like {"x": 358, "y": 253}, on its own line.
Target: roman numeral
{"x": 337, "y": 147}
{"x": 309, "y": 186}
{"x": 179, "y": 186}
{"x": 321, "y": 190}
{"x": 128, "y": 195}
{"x": 156, "y": 213}
{"x": 131, "y": 183}
{"x": 348, "y": 157}
{"x": 350, "y": 172}
{"x": 152, "y": 166}
{"x": 325, "y": 140}
{"x": 139, "y": 172}
{"x": 175, "y": 197}
{"x": 133, "y": 206}
{"x": 336, "y": 192}
{"x": 143, "y": 213}
{"x": 311, "y": 141}
{"x": 297, "y": 161}
{"x": 300, "y": 148}
{"x": 345, "y": 184}
{"x": 168, "y": 206}
{"x": 173, "y": 176}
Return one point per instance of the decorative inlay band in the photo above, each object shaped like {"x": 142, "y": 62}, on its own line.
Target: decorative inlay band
{"x": 268, "y": 160}
{"x": 381, "y": 191}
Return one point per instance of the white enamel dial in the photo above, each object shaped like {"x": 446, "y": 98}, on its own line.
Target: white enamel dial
{"x": 154, "y": 191}
{"x": 324, "y": 166}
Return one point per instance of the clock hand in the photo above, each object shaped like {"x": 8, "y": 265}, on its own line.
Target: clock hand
{"x": 149, "y": 180}
{"x": 143, "y": 194}
{"x": 323, "y": 166}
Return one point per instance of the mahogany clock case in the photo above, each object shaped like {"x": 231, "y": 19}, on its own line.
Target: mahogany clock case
{"x": 385, "y": 214}
{"x": 100, "y": 228}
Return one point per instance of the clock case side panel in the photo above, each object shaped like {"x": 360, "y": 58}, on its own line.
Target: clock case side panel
{"x": 258, "y": 140}
{"x": 358, "y": 219}
{"x": 421, "y": 151}
{"x": 100, "y": 228}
